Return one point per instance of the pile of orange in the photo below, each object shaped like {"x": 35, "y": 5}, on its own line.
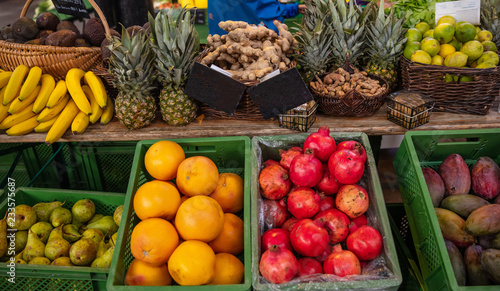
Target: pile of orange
{"x": 189, "y": 231}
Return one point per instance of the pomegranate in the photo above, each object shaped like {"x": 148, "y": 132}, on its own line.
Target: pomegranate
{"x": 328, "y": 250}
{"x": 328, "y": 184}
{"x": 336, "y": 224}
{"x": 289, "y": 223}
{"x": 309, "y": 266}
{"x": 274, "y": 182}
{"x": 322, "y": 143}
{"x": 303, "y": 202}
{"x": 306, "y": 170}
{"x": 278, "y": 265}
{"x": 270, "y": 162}
{"x": 357, "y": 223}
{"x": 342, "y": 263}
{"x": 276, "y": 236}
{"x": 275, "y": 213}
{"x": 326, "y": 202}
{"x": 287, "y": 156}
{"x": 352, "y": 200}
{"x": 354, "y": 146}
{"x": 366, "y": 243}
{"x": 346, "y": 166}
{"x": 308, "y": 238}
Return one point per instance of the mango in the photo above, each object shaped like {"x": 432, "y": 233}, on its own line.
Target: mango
{"x": 435, "y": 185}
{"x": 463, "y": 204}
{"x": 484, "y": 220}
{"x": 457, "y": 262}
{"x": 455, "y": 174}
{"x": 476, "y": 276}
{"x": 496, "y": 241}
{"x": 452, "y": 226}
{"x": 485, "y": 176}
{"x": 490, "y": 260}
{"x": 486, "y": 241}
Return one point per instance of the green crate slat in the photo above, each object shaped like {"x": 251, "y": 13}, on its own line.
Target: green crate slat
{"x": 428, "y": 149}
{"x": 29, "y": 277}
{"x": 266, "y": 147}
{"x": 230, "y": 154}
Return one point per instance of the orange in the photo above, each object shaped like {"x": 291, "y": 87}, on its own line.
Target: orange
{"x": 153, "y": 241}
{"x": 197, "y": 175}
{"x": 192, "y": 263}
{"x": 157, "y": 199}
{"x": 231, "y": 238}
{"x": 228, "y": 270}
{"x": 229, "y": 192}
{"x": 163, "y": 158}
{"x": 200, "y": 218}
{"x": 143, "y": 274}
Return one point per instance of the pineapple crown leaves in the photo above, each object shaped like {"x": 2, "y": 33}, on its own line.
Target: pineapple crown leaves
{"x": 490, "y": 19}
{"x": 176, "y": 44}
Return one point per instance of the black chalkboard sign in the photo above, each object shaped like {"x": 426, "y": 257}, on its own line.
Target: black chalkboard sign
{"x": 71, "y": 7}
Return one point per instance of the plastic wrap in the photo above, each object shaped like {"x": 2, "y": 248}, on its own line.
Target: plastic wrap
{"x": 382, "y": 273}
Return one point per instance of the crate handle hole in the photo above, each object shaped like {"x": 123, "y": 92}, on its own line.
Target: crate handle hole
{"x": 469, "y": 140}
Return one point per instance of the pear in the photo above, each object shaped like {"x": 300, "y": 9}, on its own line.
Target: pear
{"x": 57, "y": 246}
{"x": 83, "y": 252}
{"x": 39, "y": 261}
{"x": 20, "y": 261}
{"x": 95, "y": 218}
{"x": 21, "y": 240}
{"x": 43, "y": 209}
{"x": 83, "y": 210}
{"x": 62, "y": 261}
{"x": 24, "y": 218}
{"x": 42, "y": 230}
{"x": 60, "y": 216}
{"x": 117, "y": 215}
{"x": 34, "y": 247}
{"x": 104, "y": 261}
{"x": 70, "y": 233}
{"x": 4, "y": 259}
{"x": 94, "y": 235}
{"x": 102, "y": 248}
{"x": 106, "y": 224}
{"x": 113, "y": 238}
{"x": 3, "y": 236}
{"x": 19, "y": 256}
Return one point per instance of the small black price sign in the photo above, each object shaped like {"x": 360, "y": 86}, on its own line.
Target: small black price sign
{"x": 71, "y": 7}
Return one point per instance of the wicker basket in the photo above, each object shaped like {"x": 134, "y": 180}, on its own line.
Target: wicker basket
{"x": 56, "y": 61}
{"x": 474, "y": 97}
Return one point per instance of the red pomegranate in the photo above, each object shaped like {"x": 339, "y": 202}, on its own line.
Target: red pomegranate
{"x": 328, "y": 184}
{"x": 354, "y": 146}
{"x": 366, "y": 243}
{"x": 326, "y": 202}
{"x": 346, "y": 166}
{"x": 289, "y": 223}
{"x": 276, "y": 236}
{"x": 278, "y": 265}
{"x": 275, "y": 213}
{"x": 335, "y": 222}
{"x": 270, "y": 162}
{"x": 321, "y": 142}
{"x": 309, "y": 266}
{"x": 306, "y": 170}
{"x": 308, "y": 238}
{"x": 341, "y": 263}
{"x": 328, "y": 250}
{"x": 303, "y": 202}
{"x": 357, "y": 223}
{"x": 352, "y": 200}
{"x": 274, "y": 182}
{"x": 287, "y": 156}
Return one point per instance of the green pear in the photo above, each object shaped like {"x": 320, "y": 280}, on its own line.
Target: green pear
{"x": 20, "y": 261}
{"x": 39, "y": 261}
{"x": 24, "y": 218}
{"x": 117, "y": 215}
{"x": 83, "y": 211}
{"x": 57, "y": 246}
{"x": 3, "y": 236}
{"x": 113, "y": 238}
{"x": 95, "y": 218}
{"x": 60, "y": 216}
{"x": 42, "y": 230}
{"x": 19, "y": 256}
{"x": 102, "y": 248}
{"x": 21, "y": 238}
{"x": 93, "y": 234}
{"x": 62, "y": 261}
{"x": 43, "y": 209}
{"x": 106, "y": 224}
{"x": 34, "y": 247}
{"x": 83, "y": 252}
{"x": 70, "y": 233}
{"x": 104, "y": 261}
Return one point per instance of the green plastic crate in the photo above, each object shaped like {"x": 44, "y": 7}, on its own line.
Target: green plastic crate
{"x": 230, "y": 154}
{"x": 266, "y": 147}
{"x": 428, "y": 149}
{"x": 30, "y": 277}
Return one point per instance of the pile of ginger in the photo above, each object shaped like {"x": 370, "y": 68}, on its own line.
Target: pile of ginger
{"x": 250, "y": 52}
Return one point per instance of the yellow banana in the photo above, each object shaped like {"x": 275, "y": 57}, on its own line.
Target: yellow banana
{"x": 20, "y": 116}
{"x": 80, "y": 123}
{"x": 18, "y": 105}
{"x": 49, "y": 113}
{"x": 4, "y": 78}
{"x": 48, "y": 85}
{"x": 14, "y": 84}
{"x": 45, "y": 125}
{"x": 4, "y": 111}
{"x": 62, "y": 123}
{"x": 96, "y": 109}
{"x": 95, "y": 83}
{"x": 73, "y": 79}
{"x": 30, "y": 83}
{"x": 108, "y": 112}
{"x": 24, "y": 127}
{"x": 57, "y": 94}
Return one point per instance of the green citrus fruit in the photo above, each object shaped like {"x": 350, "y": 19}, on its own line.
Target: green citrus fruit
{"x": 456, "y": 59}
{"x": 485, "y": 65}
{"x": 473, "y": 49}
{"x": 458, "y": 23}
{"x": 478, "y": 29}
{"x": 422, "y": 27}
{"x": 437, "y": 60}
{"x": 456, "y": 44}
{"x": 410, "y": 48}
{"x": 466, "y": 79}
{"x": 446, "y": 19}
{"x": 444, "y": 32}
{"x": 465, "y": 32}
{"x": 448, "y": 78}
{"x": 484, "y": 35}
{"x": 421, "y": 56}
{"x": 412, "y": 35}
{"x": 428, "y": 33}
{"x": 489, "y": 46}
{"x": 488, "y": 57}
{"x": 430, "y": 45}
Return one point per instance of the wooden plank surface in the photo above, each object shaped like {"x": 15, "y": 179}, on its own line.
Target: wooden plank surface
{"x": 376, "y": 124}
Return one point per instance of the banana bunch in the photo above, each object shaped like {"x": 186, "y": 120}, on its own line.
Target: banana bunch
{"x": 32, "y": 101}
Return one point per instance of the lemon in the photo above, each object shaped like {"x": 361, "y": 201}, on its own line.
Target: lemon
{"x": 430, "y": 45}
{"x": 488, "y": 57}
{"x": 473, "y": 49}
{"x": 412, "y": 35}
{"x": 421, "y": 56}
{"x": 489, "y": 46}
{"x": 456, "y": 59}
{"x": 446, "y": 49}
{"x": 446, "y": 19}
{"x": 484, "y": 35}
{"x": 437, "y": 60}
{"x": 422, "y": 27}
{"x": 410, "y": 48}
{"x": 428, "y": 33}
{"x": 456, "y": 44}
{"x": 444, "y": 32}
{"x": 465, "y": 32}
{"x": 485, "y": 65}
{"x": 478, "y": 29}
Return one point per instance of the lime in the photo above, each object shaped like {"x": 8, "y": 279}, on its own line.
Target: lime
{"x": 458, "y": 23}
{"x": 446, "y": 49}
{"x": 473, "y": 49}
{"x": 465, "y": 32}
{"x": 430, "y": 45}
{"x": 488, "y": 57}
{"x": 485, "y": 65}
{"x": 484, "y": 35}
{"x": 412, "y": 35}
{"x": 422, "y": 27}
{"x": 473, "y": 65}
{"x": 489, "y": 46}
{"x": 444, "y": 32}
{"x": 437, "y": 60}
{"x": 446, "y": 19}
{"x": 466, "y": 79}
{"x": 428, "y": 33}
{"x": 448, "y": 78}
{"x": 456, "y": 59}
{"x": 410, "y": 48}
{"x": 478, "y": 29}
{"x": 456, "y": 44}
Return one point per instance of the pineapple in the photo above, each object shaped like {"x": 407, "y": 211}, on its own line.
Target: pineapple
{"x": 490, "y": 19}
{"x": 131, "y": 64}
{"x": 176, "y": 44}
{"x": 384, "y": 45}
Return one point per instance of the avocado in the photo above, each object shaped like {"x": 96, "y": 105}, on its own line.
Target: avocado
{"x": 47, "y": 21}
{"x": 35, "y": 41}
{"x": 81, "y": 42}
{"x": 134, "y": 29}
{"x": 68, "y": 25}
{"x": 6, "y": 33}
{"x": 64, "y": 38}
{"x": 24, "y": 28}
{"x": 42, "y": 34}
{"x": 94, "y": 31}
